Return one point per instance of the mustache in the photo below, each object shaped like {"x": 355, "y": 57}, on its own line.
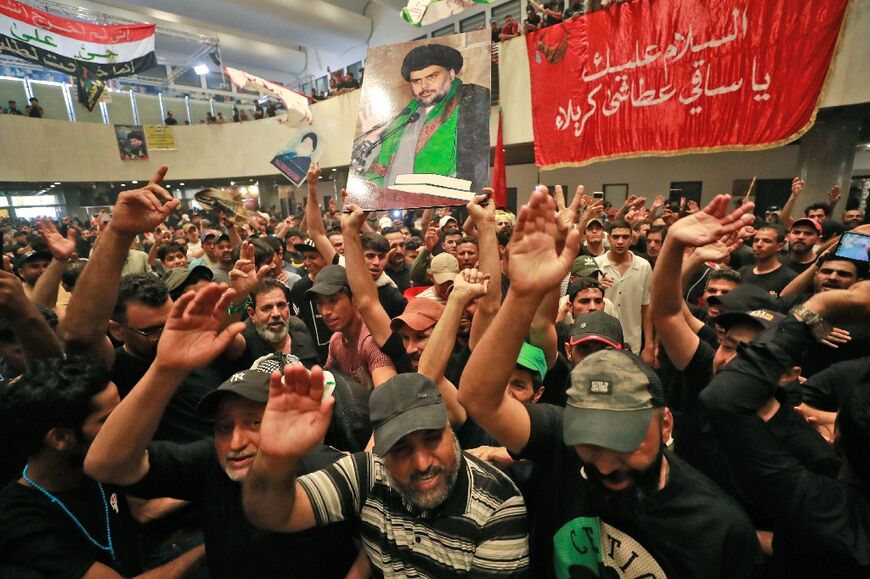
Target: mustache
{"x": 239, "y": 455}
{"x": 428, "y": 473}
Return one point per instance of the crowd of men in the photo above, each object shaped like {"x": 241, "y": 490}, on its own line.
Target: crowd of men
{"x": 571, "y": 391}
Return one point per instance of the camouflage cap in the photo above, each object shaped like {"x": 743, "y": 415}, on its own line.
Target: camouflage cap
{"x": 612, "y": 398}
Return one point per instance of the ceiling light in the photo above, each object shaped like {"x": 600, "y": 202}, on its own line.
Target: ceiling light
{"x": 232, "y": 183}
{"x": 134, "y": 182}
{"x": 57, "y": 182}
{"x": 201, "y": 69}
{"x": 181, "y": 184}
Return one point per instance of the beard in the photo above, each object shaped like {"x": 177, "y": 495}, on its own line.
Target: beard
{"x": 432, "y": 498}
{"x": 644, "y": 485}
{"x": 433, "y": 99}
{"x": 272, "y": 335}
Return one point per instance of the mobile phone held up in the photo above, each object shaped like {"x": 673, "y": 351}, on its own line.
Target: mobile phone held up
{"x": 854, "y": 246}
{"x": 674, "y": 197}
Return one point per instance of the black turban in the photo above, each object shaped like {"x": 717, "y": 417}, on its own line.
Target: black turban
{"x": 429, "y": 55}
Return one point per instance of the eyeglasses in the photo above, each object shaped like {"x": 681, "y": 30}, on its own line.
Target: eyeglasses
{"x": 152, "y": 334}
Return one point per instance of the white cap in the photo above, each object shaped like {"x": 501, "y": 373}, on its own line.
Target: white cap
{"x": 445, "y": 220}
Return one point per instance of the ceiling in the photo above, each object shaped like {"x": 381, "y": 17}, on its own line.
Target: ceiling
{"x": 271, "y": 38}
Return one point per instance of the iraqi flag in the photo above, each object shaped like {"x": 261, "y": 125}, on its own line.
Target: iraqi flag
{"x": 72, "y": 45}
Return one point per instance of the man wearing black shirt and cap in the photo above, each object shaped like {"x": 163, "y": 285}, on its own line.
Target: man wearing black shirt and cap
{"x": 206, "y": 472}
{"x": 824, "y": 521}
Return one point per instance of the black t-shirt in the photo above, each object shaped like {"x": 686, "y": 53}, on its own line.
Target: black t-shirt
{"x": 402, "y": 277}
{"x": 456, "y": 363}
{"x": 696, "y": 442}
{"x": 773, "y": 282}
{"x": 301, "y": 346}
{"x": 234, "y": 547}
{"x": 179, "y": 422}
{"x": 688, "y": 529}
{"x": 392, "y": 300}
{"x": 306, "y": 309}
{"x": 37, "y": 535}
{"x": 795, "y": 266}
{"x": 826, "y": 390}
{"x": 556, "y": 382}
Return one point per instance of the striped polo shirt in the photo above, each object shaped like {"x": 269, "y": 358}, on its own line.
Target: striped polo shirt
{"x": 481, "y": 528}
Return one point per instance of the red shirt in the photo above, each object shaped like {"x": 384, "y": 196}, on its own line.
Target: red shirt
{"x": 513, "y": 28}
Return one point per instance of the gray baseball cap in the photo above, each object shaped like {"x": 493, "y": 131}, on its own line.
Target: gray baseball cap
{"x": 404, "y": 404}
{"x": 612, "y": 398}
{"x": 329, "y": 281}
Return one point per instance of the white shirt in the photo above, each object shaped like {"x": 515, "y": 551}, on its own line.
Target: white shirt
{"x": 628, "y": 294}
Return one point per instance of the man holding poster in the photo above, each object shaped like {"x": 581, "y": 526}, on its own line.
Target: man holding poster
{"x": 441, "y": 136}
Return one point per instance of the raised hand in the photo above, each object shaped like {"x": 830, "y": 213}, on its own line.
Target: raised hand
{"x": 194, "y": 333}
{"x": 13, "y": 302}
{"x": 834, "y": 195}
{"x": 535, "y": 265}
{"x": 61, "y": 248}
{"x": 352, "y": 219}
{"x": 719, "y": 249}
{"x": 566, "y": 216}
{"x": 711, "y": 223}
{"x": 296, "y": 416}
{"x": 430, "y": 239}
{"x": 470, "y": 284}
{"x": 313, "y": 176}
{"x": 481, "y": 208}
{"x": 245, "y": 277}
{"x": 142, "y": 210}
{"x": 797, "y": 185}
{"x": 657, "y": 203}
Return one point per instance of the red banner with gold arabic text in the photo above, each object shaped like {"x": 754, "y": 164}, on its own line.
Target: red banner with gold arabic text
{"x": 664, "y": 77}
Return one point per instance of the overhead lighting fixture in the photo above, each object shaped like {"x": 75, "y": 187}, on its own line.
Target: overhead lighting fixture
{"x": 134, "y": 182}
{"x": 181, "y": 184}
{"x": 232, "y": 183}
{"x": 201, "y": 69}
{"x": 57, "y": 182}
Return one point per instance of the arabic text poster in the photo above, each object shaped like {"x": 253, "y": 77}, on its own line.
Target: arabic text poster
{"x": 422, "y": 136}
{"x": 663, "y": 77}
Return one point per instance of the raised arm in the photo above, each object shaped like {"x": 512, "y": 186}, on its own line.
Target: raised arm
{"x": 543, "y": 329}
{"x": 701, "y": 228}
{"x": 193, "y": 336}
{"x": 87, "y": 316}
{"x": 797, "y": 185}
{"x": 365, "y": 293}
{"x": 420, "y": 267}
{"x": 61, "y": 248}
{"x": 295, "y": 420}
{"x": 535, "y": 268}
{"x": 314, "y": 218}
{"x": 32, "y": 332}
{"x": 488, "y": 261}
{"x": 469, "y": 284}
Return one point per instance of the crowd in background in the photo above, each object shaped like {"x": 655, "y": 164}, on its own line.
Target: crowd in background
{"x": 437, "y": 391}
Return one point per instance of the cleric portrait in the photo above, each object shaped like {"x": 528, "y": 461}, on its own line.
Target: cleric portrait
{"x": 444, "y": 130}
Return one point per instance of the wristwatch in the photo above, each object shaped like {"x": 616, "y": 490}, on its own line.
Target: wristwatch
{"x": 819, "y": 326}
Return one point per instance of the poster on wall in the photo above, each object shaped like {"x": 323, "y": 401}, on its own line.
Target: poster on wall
{"x": 422, "y": 136}
{"x": 306, "y": 146}
{"x": 160, "y": 138}
{"x": 668, "y": 77}
{"x": 131, "y": 142}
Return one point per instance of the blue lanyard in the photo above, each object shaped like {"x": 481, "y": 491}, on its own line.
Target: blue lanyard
{"x": 108, "y": 547}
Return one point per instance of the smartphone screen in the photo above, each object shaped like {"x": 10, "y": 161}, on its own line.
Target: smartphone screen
{"x": 674, "y": 197}
{"x": 854, "y": 246}
{"x": 598, "y": 194}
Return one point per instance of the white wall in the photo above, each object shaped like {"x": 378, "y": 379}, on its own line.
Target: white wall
{"x": 652, "y": 176}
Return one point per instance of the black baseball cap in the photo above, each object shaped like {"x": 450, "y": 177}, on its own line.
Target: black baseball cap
{"x": 307, "y": 245}
{"x": 762, "y": 318}
{"x": 31, "y": 255}
{"x": 597, "y": 327}
{"x": 250, "y": 384}
{"x": 329, "y": 281}
{"x": 404, "y": 404}
{"x": 744, "y": 298}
